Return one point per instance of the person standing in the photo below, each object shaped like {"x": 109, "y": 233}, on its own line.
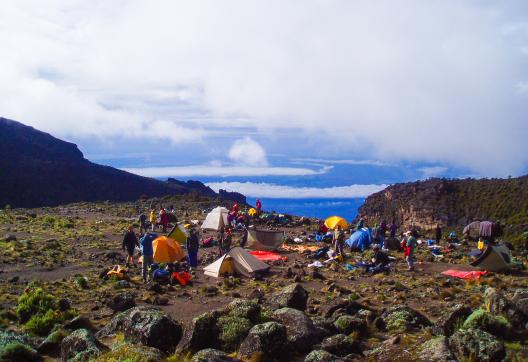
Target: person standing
{"x": 381, "y": 234}
{"x": 438, "y": 234}
{"x": 226, "y": 243}
{"x": 130, "y": 242}
{"x": 148, "y": 254}
{"x": 392, "y": 229}
{"x": 192, "y": 246}
{"x": 220, "y": 237}
{"x": 410, "y": 246}
{"x": 259, "y": 206}
{"x": 142, "y": 223}
{"x": 152, "y": 219}
{"x": 339, "y": 240}
{"x": 164, "y": 219}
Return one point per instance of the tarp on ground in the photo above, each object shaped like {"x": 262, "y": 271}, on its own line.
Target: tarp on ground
{"x": 166, "y": 250}
{"x": 237, "y": 261}
{"x": 216, "y": 219}
{"x": 264, "y": 239}
{"x": 300, "y": 248}
{"x": 494, "y": 258}
{"x": 360, "y": 239}
{"x": 334, "y": 221}
{"x": 467, "y": 275}
{"x": 178, "y": 233}
{"x": 267, "y": 255}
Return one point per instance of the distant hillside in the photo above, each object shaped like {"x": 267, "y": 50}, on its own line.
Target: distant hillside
{"x": 452, "y": 203}
{"x": 38, "y": 169}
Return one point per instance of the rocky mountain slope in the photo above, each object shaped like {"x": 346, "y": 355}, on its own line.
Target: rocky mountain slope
{"x": 451, "y": 202}
{"x": 38, "y": 169}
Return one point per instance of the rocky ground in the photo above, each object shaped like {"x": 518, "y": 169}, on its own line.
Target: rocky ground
{"x": 55, "y": 304}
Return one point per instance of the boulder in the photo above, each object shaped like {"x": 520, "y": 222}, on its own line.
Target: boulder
{"x": 366, "y": 314}
{"x": 148, "y": 326}
{"x": 233, "y": 329}
{"x": 122, "y": 301}
{"x": 292, "y": 296}
{"x": 347, "y": 324}
{"x": 10, "y": 237}
{"x": 133, "y": 352}
{"x": 15, "y": 347}
{"x": 302, "y": 333}
{"x": 325, "y": 324}
{"x": 436, "y": 350}
{"x": 81, "y": 345}
{"x": 520, "y": 300}
{"x": 202, "y": 333}
{"x": 447, "y": 323}
{"x": 403, "y": 318}
{"x": 497, "y": 304}
{"x": 340, "y": 345}
{"x": 51, "y": 346}
{"x": 244, "y": 308}
{"x": 349, "y": 306}
{"x": 267, "y": 341}
{"x": 322, "y": 356}
{"x": 476, "y": 345}
{"x": 79, "y": 322}
{"x": 212, "y": 355}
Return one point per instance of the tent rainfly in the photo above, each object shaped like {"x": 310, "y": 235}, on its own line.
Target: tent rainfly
{"x": 494, "y": 258}
{"x": 267, "y": 240}
{"x": 216, "y": 219}
{"x": 236, "y": 261}
{"x": 178, "y": 233}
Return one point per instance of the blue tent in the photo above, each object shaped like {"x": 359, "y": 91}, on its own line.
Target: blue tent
{"x": 360, "y": 240}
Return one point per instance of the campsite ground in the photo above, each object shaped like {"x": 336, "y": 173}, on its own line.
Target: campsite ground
{"x": 65, "y": 249}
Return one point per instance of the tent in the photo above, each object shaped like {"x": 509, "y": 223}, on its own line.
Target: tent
{"x": 236, "y": 261}
{"x": 494, "y": 258}
{"x": 252, "y": 212}
{"x": 178, "y": 233}
{"x": 265, "y": 239}
{"x": 166, "y": 250}
{"x": 216, "y": 219}
{"x": 334, "y": 221}
{"x": 360, "y": 240}
{"x": 472, "y": 229}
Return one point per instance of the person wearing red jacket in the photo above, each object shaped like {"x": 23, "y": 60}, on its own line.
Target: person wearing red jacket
{"x": 164, "y": 219}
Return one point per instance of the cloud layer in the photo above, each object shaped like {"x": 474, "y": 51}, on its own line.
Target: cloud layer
{"x": 435, "y": 81}
{"x": 273, "y": 191}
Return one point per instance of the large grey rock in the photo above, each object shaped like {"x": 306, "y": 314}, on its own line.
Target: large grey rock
{"x": 347, "y": 324}
{"x": 16, "y": 347}
{"x": 348, "y": 306}
{"x": 302, "y": 333}
{"x": 323, "y": 356}
{"x": 244, "y": 308}
{"x": 212, "y": 355}
{"x": 148, "y": 326}
{"x": 436, "y": 350}
{"x": 292, "y": 296}
{"x": 485, "y": 321}
{"x": 403, "y": 318}
{"x": 81, "y": 345}
{"x": 520, "y": 300}
{"x": 498, "y": 304}
{"x": 341, "y": 345}
{"x": 10, "y": 237}
{"x": 51, "y": 346}
{"x": 122, "y": 301}
{"x": 477, "y": 345}
{"x": 267, "y": 340}
{"x": 202, "y": 333}
{"x": 450, "y": 319}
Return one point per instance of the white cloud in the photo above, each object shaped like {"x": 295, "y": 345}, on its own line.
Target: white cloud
{"x": 433, "y": 171}
{"x": 267, "y": 190}
{"x": 344, "y": 162}
{"x": 424, "y": 81}
{"x": 246, "y": 151}
{"x": 223, "y": 171}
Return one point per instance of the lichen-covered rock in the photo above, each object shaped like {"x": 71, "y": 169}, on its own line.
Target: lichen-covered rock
{"x": 341, "y": 345}
{"x": 244, "y": 308}
{"x": 497, "y": 304}
{"x": 436, "y": 350}
{"x": 292, "y": 296}
{"x": 148, "y": 326}
{"x": 450, "y": 319}
{"x": 15, "y": 347}
{"x": 266, "y": 341}
{"x": 475, "y": 344}
{"x": 202, "y": 333}
{"x": 520, "y": 300}
{"x": 233, "y": 329}
{"x": 348, "y": 306}
{"x": 368, "y": 315}
{"x": 322, "y": 356}
{"x": 133, "y": 353}
{"x": 122, "y": 301}
{"x": 81, "y": 346}
{"x": 484, "y": 320}
{"x": 302, "y": 333}
{"x": 347, "y": 324}
{"x": 325, "y": 324}
{"x": 212, "y": 355}
{"x": 51, "y": 346}
{"x": 402, "y": 319}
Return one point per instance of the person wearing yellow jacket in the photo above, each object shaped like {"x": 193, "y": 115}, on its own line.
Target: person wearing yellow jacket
{"x": 152, "y": 218}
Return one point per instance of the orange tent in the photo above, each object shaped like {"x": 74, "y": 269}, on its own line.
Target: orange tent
{"x": 166, "y": 250}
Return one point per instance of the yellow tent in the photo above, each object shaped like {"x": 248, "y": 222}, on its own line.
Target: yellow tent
{"x": 166, "y": 250}
{"x": 333, "y": 221}
{"x": 252, "y": 211}
{"x": 178, "y": 233}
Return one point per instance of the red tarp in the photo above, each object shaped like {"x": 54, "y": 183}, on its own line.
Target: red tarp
{"x": 267, "y": 255}
{"x": 468, "y": 275}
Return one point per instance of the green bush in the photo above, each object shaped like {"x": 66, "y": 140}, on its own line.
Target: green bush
{"x": 41, "y": 325}
{"x": 33, "y": 302}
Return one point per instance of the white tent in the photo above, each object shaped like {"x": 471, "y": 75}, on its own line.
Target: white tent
{"x": 236, "y": 261}
{"x": 495, "y": 258}
{"x": 216, "y": 219}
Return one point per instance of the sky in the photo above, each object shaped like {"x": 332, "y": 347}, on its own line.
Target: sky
{"x": 291, "y": 89}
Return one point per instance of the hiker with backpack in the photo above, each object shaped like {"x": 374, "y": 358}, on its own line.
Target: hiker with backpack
{"x": 192, "y": 246}
{"x": 409, "y": 244}
{"x": 339, "y": 241}
{"x": 142, "y": 223}
{"x": 130, "y": 242}
{"x": 380, "y": 261}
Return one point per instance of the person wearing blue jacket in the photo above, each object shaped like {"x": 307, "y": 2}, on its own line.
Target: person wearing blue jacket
{"x": 148, "y": 253}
